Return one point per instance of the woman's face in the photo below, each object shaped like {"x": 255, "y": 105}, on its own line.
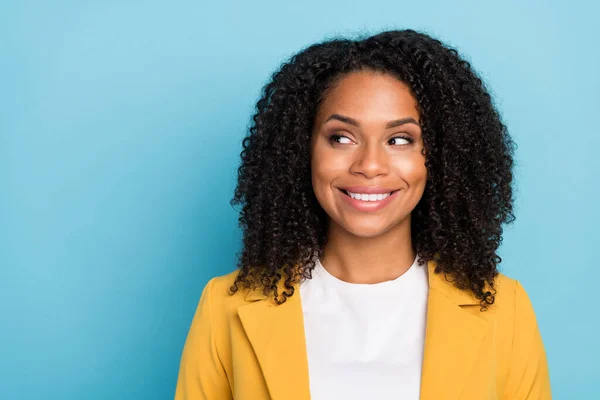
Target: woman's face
{"x": 366, "y": 143}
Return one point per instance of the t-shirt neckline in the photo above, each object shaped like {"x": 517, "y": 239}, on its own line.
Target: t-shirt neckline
{"x": 390, "y": 284}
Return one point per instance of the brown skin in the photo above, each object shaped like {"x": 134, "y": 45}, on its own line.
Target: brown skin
{"x": 368, "y": 247}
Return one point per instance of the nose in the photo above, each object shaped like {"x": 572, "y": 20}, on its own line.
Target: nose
{"x": 371, "y": 161}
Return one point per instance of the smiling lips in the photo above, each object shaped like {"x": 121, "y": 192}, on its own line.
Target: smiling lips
{"x": 368, "y": 198}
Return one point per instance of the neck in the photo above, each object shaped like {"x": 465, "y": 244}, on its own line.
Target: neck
{"x": 368, "y": 260}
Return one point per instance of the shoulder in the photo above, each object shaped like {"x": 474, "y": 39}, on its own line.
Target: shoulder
{"x": 217, "y": 307}
{"x": 511, "y": 315}
{"x": 513, "y": 300}
{"x": 520, "y": 345}
{"x": 511, "y": 296}
{"x": 505, "y": 291}
{"x": 223, "y": 282}
{"x": 217, "y": 290}
{"x": 511, "y": 310}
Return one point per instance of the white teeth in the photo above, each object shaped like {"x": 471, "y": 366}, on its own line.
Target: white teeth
{"x": 369, "y": 197}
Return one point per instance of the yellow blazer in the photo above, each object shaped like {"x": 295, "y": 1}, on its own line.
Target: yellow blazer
{"x": 246, "y": 347}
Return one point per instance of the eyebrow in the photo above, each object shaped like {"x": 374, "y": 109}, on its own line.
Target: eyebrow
{"x": 390, "y": 124}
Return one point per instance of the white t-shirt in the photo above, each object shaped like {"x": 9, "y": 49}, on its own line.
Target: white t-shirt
{"x": 365, "y": 341}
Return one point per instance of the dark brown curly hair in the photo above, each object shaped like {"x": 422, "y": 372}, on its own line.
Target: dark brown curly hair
{"x": 469, "y": 160}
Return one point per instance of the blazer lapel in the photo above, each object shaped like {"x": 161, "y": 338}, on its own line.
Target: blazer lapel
{"x": 277, "y": 337}
{"x": 453, "y": 339}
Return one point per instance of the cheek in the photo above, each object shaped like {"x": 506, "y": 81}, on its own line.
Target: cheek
{"x": 326, "y": 166}
{"x": 412, "y": 168}
{"x": 319, "y": 173}
{"x": 321, "y": 179}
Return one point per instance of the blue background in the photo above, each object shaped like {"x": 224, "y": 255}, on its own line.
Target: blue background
{"x": 120, "y": 131}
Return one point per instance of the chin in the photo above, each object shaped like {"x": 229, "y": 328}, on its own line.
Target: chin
{"x": 366, "y": 230}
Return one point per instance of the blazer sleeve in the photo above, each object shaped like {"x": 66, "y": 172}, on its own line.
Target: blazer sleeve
{"x": 529, "y": 377}
{"x": 201, "y": 373}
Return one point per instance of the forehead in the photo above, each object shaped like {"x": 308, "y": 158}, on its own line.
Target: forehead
{"x": 369, "y": 95}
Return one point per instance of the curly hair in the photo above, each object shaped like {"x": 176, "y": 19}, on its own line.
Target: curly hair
{"x": 469, "y": 160}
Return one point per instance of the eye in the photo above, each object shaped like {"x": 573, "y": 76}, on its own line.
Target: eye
{"x": 335, "y": 138}
{"x": 405, "y": 138}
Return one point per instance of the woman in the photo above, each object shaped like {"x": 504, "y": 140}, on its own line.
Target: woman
{"x": 374, "y": 182}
